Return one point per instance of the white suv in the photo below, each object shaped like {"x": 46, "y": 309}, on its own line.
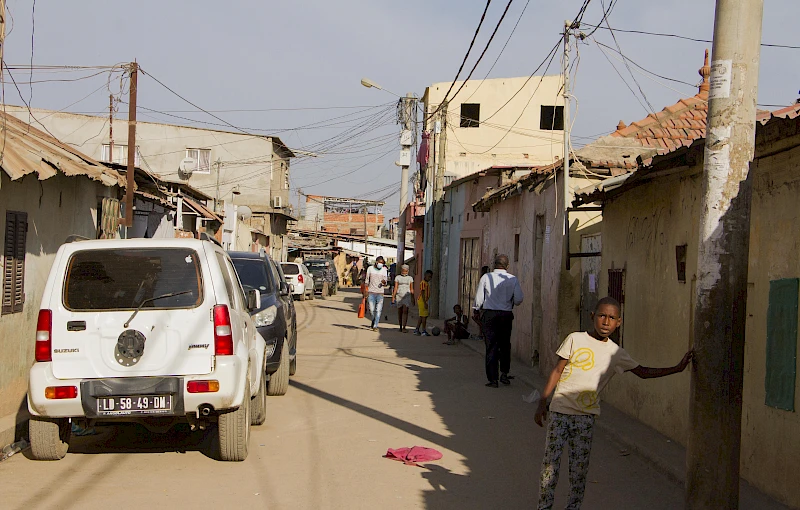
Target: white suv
{"x": 154, "y": 331}
{"x": 300, "y": 278}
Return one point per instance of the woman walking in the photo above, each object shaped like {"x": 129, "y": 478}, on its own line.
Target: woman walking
{"x": 403, "y": 296}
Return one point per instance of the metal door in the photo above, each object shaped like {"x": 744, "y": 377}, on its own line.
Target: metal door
{"x": 590, "y": 279}
{"x": 470, "y": 271}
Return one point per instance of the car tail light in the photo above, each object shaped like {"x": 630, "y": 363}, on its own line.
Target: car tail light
{"x": 299, "y": 278}
{"x": 44, "y": 334}
{"x": 61, "y": 392}
{"x": 223, "y": 337}
{"x": 202, "y": 386}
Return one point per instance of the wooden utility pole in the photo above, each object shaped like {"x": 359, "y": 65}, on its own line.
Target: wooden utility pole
{"x": 565, "y": 95}
{"x": 134, "y": 70}
{"x": 438, "y": 212}
{"x": 712, "y": 478}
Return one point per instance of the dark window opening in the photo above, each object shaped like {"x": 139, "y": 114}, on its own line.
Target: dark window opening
{"x": 14, "y": 262}
{"x": 552, "y": 118}
{"x": 470, "y": 115}
{"x": 680, "y": 260}
{"x": 516, "y": 247}
{"x": 616, "y": 289}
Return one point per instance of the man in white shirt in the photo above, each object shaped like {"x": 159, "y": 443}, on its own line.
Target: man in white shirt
{"x": 498, "y": 293}
{"x": 375, "y": 283}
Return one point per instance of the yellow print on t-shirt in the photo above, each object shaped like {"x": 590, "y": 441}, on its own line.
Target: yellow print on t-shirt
{"x": 583, "y": 358}
{"x": 587, "y": 400}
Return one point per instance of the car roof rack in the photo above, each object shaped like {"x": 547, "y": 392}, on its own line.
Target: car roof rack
{"x": 73, "y": 238}
{"x": 205, "y": 237}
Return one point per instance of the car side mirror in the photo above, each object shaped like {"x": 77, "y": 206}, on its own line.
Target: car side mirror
{"x": 285, "y": 289}
{"x": 253, "y": 299}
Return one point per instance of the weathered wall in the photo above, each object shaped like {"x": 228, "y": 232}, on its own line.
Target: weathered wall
{"x": 451, "y": 238}
{"x": 771, "y": 437}
{"x": 56, "y": 207}
{"x": 641, "y": 229}
{"x": 640, "y": 232}
{"x": 551, "y": 309}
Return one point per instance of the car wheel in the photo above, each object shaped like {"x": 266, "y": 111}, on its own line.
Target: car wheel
{"x": 49, "y": 438}
{"x": 303, "y": 296}
{"x": 311, "y": 294}
{"x": 293, "y": 366}
{"x": 233, "y": 432}
{"x": 258, "y": 411}
{"x": 279, "y": 381}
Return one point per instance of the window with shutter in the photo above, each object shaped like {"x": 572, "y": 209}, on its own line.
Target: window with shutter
{"x": 14, "y": 262}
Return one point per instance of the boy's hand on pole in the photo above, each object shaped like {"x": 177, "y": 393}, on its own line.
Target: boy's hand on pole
{"x": 687, "y": 358}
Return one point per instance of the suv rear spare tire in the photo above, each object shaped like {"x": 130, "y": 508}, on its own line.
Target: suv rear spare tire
{"x": 233, "y": 431}
{"x": 49, "y": 437}
{"x": 279, "y": 381}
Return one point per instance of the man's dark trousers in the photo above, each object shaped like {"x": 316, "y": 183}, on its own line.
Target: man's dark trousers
{"x": 497, "y": 332}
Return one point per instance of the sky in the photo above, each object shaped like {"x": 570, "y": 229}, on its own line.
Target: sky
{"x": 292, "y": 69}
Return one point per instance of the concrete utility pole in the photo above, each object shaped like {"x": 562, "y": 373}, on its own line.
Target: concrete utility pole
{"x": 111, "y": 128}
{"x": 438, "y": 210}
{"x": 2, "y": 32}
{"x": 408, "y": 121}
{"x": 218, "y": 164}
{"x": 712, "y": 478}
{"x": 366, "y": 234}
{"x": 565, "y": 95}
{"x": 134, "y": 70}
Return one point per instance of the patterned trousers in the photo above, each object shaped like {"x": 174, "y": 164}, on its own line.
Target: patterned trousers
{"x": 576, "y": 430}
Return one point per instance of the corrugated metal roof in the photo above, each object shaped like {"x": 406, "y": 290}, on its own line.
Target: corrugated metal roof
{"x": 26, "y": 150}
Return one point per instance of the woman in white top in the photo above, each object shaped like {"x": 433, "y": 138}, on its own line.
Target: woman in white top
{"x": 403, "y": 296}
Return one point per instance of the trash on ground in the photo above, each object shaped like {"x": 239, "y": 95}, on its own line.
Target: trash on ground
{"x": 411, "y": 456}
{"x": 533, "y": 398}
{"x": 13, "y": 449}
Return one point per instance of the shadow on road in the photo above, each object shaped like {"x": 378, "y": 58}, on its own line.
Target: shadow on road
{"x": 135, "y": 438}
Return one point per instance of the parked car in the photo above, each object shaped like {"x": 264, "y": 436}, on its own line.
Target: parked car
{"x": 300, "y": 278}
{"x": 274, "y": 317}
{"x": 323, "y": 271}
{"x": 152, "y": 331}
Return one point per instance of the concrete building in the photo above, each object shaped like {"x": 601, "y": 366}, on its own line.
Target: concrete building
{"x": 48, "y": 191}
{"x": 342, "y": 215}
{"x": 495, "y": 122}
{"x": 650, "y": 236}
{"x": 232, "y": 168}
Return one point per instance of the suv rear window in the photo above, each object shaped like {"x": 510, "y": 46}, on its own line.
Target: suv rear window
{"x": 290, "y": 269}
{"x": 253, "y": 274}
{"x": 316, "y": 264}
{"x": 121, "y": 279}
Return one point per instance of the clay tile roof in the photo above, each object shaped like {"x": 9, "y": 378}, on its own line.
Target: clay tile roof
{"x": 676, "y": 125}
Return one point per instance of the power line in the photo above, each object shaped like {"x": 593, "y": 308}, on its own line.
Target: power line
{"x": 471, "y": 44}
{"x": 642, "y": 68}
{"x": 694, "y": 39}
{"x": 28, "y": 106}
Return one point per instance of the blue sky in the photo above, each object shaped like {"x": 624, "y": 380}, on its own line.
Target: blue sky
{"x": 247, "y": 55}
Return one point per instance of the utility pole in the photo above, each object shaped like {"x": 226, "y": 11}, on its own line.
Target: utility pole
{"x": 218, "y": 164}
{"x": 438, "y": 210}
{"x": 111, "y": 128}
{"x": 712, "y": 457}
{"x": 134, "y": 70}
{"x": 2, "y": 35}
{"x": 565, "y": 95}
{"x": 366, "y": 234}
{"x": 407, "y": 119}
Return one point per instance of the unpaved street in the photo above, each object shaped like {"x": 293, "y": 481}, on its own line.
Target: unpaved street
{"x": 356, "y": 393}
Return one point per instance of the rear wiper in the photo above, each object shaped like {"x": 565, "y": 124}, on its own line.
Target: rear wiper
{"x": 171, "y": 294}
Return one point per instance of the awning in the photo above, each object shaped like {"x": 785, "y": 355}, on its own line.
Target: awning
{"x": 26, "y": 150}
{"x": 201, "y": 209}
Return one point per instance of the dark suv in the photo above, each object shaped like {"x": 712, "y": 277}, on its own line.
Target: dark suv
{"x": 274, "y": 317}
{"x": 323, "y": 271}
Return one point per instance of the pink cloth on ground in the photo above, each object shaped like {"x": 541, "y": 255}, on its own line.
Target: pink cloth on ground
{"x": 413, "y": 455}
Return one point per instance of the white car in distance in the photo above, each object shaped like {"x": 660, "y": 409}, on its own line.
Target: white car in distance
{"x": 300, "y": 278}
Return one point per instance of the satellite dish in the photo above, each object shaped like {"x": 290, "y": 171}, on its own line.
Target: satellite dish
{"x": 243, "y": 212}
{"x": 187, "y": 166}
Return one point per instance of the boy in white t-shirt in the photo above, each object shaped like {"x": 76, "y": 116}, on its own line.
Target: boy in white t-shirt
{"x": 588, "y": 361}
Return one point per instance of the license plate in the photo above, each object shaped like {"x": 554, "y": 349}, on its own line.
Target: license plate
{"x": 139, "y": 404}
